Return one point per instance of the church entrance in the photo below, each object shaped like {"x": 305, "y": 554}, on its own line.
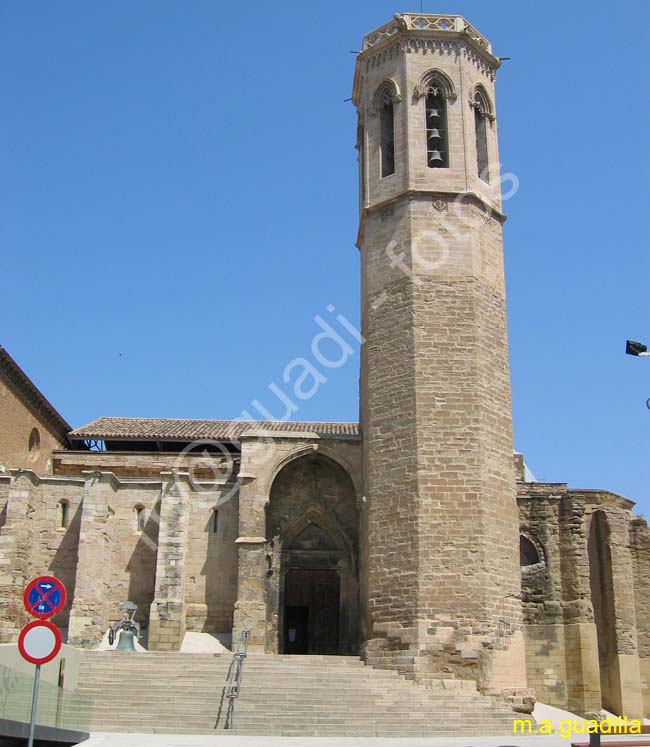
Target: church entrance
{"x": 312, "y": 582}
{"x": 311, "y": 612}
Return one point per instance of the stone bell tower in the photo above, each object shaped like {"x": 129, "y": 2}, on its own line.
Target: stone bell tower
{"x": 440, "y": 568}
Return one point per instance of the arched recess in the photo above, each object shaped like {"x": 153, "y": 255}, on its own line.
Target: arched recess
{"x": 304, "y": 451}
{"x": 532, "y": 556}
{"x": 480, "y": 100}
{"x": 382, "y": 106}
{"x": 436, "y": 82}
{"x": 602, "y": 597}
{"x": 312, "y": 585}
{"x": 386, "y": 92}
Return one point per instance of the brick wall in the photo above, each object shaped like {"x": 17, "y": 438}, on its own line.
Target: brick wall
{"x": 18, "y": 418}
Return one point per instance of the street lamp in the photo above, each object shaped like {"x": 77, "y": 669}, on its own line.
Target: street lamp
{"x": 636, "y": 348}
{"x": 639, "y": 350}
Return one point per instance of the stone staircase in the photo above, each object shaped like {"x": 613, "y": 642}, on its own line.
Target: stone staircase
{"x": 280, "y": 695}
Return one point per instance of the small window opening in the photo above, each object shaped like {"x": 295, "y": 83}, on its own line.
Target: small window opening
{"x": 436, "y": 124}
{"x": 64, "y": 511}
{"x": 387, "y": 135}
{"x": 34, "y": 440}
{"x": 528, "y": 553}
{"x": 139, "y": 518}
{"x": 215, "y": 522}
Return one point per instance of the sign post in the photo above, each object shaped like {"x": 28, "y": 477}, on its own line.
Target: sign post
{"x": 40, "y": 640}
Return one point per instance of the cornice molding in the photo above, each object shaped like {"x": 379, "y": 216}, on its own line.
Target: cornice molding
{"x": 435, "y": 196}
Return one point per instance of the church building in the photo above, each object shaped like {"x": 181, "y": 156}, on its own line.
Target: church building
{"x": 414, "y": 538}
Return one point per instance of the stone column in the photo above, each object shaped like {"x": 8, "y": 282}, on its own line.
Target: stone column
{"x": 250, "y": 608}
{"x": 14, "y": 555}
{"x": 627, "y": 649}
{"x": 89, "y": 614}
{"x": 580, "y": 635}
{"x": 350, "y": 615}
{"x": 640, "y": 548}
{"x": 167, "y": 620}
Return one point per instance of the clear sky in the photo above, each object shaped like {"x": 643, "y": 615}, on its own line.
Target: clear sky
{"x": 180, "y": 203}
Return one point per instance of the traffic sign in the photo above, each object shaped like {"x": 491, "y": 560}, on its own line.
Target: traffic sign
{"x": 44, "y": 597}
{"x": 39, "y": 642}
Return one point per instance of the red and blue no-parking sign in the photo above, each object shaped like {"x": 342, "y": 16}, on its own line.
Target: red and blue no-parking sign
{"x": 44, "y": 597}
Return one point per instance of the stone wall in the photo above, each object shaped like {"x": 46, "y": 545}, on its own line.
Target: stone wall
{"x": 33, "y": 542}
{"x": 613, "y": 594}
{"x": 561, "y": 645}
{"x": 211, "y": 565}
{"x": 582, "y": 612}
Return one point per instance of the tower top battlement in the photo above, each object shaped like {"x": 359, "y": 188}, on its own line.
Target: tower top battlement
{"x": 423, "y": 23}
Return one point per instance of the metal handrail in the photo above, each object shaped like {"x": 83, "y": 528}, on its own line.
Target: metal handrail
{"x": 232, "y": 688}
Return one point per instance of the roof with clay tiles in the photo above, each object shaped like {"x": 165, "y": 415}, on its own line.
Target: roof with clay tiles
{"x": 176, "y": 429}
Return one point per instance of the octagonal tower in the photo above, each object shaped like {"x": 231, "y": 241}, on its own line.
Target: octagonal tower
{"x": 440, "y": 570}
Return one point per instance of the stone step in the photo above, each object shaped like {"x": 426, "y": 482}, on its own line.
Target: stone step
{"x": 281, "y": 695}
{"x": 295, "y": 712}
{"x": 162, "y": 694}
{"x": 321, "y": 732}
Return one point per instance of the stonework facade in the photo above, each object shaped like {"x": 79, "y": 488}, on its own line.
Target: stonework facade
{"x": 413, "y": 538}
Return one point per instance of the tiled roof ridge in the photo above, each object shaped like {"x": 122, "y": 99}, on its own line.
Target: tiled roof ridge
{"x": 114, "y": 428}
{"x": 219, "y": 420}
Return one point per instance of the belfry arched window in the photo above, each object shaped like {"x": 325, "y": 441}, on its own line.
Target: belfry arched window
{"x": 437, "y": 89}
{"x": 482, "y": 115}
{"x": 437, "y": 134}
{"x": 384, "y": 100}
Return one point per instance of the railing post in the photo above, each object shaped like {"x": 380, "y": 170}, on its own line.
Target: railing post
{"x": 234, "y": 679}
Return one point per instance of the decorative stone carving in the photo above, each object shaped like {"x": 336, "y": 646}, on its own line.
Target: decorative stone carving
{"x": 386, "y": 93}
{"x": 480, "y": 100}
{"x": 436, "y": 82}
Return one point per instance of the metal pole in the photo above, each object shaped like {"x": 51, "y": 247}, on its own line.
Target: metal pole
{"x": 32, "y": 723}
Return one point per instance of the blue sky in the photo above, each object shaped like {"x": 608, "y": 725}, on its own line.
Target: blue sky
{"x": 180, "y": 202}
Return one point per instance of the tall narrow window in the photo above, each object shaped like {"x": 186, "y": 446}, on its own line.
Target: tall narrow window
{"x": 482, "y": 161}
{"x": 382, "y": 106}
{"x": 34, "y": 441}
{"x": 139, "y": 518}
{"x": 437, "y": 135}
{"x": 215, "y": 521}
{"x": 480, "y": 101}
{"x": 387, "y": 135}
{"x": 361, "y": 148}
{"x": 64, "y": 509}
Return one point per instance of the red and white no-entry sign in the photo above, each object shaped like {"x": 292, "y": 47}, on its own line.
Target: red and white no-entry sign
{"x": 39, "y": 642}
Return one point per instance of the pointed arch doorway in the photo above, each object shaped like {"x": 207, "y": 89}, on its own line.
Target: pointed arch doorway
{"x": 312, "y": 580}
{"x": 311, "y": 594}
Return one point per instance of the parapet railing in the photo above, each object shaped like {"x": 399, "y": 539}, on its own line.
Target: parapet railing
{"x": 57, "y": 707}
{"x": 232, "y": 687}
{"x": 424, "y": 22}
